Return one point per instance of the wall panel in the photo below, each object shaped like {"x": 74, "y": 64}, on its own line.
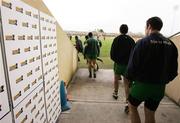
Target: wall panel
{"x": 50, "y": 65}
{"x": 30, "y": 49}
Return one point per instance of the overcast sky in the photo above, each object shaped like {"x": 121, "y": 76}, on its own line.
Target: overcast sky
{"x": 88, "y": 15}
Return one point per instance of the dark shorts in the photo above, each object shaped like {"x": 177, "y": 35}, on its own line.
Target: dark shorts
{"x": 151, "y": 94}
{"x": 119, "y": 69}
{"x": 91, "y": 57}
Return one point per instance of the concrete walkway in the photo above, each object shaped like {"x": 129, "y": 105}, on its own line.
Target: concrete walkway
{"x": 92, "y": 102}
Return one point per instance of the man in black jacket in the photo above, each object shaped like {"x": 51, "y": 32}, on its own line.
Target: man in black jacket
{"x": 152, "y": 64}
{"x": 120, "y": 52}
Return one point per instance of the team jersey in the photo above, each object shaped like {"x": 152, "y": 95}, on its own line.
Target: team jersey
{"x": 153, "y": 60}
{"x": 121, "y": 48}
{"x": 92, "y": 47}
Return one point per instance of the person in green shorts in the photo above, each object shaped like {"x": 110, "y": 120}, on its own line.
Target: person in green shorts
{"x": 120, "y": 51}
{"x": 152, "y": 64}
{"x": 91, "y": 54}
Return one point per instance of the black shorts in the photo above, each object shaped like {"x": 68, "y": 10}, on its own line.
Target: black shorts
{"x": 149, "y": 103}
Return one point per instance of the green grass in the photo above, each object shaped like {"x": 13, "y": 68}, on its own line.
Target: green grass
{"x": 104, "y": 54}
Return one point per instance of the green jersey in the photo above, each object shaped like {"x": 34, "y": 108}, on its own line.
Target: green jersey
{"x": 92, "y": 47}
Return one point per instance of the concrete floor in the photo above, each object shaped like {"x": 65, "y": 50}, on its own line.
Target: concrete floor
{"x": 91, "y": 102}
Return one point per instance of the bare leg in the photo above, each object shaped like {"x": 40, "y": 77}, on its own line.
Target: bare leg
{"x": 134, "y": 114}
{"x": 116, "y": 82}
{"x": 149, "y": 115}
{"x": 97, "y": 66}
{"x": 94, "y": 69}
{"x": 89, "y": 68}
{"x": 126, "y": 86}
{"x": 116, "y": 85}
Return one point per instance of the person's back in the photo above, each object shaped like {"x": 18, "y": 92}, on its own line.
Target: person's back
{"x": 85, "y": 46}
{"x": 157, "y": 59}
{"x": 91, "y": 54}
{"x": 152, "y": 64}
{"x": 99, "y": 45}
{"x": 121, "y": 49}
{"x": 92, "y": 47}
{"x": 79, "y": 45}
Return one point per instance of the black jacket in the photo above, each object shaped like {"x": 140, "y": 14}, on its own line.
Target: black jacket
{"x": 153, "y": 60}
{"x": 121, "y": 48}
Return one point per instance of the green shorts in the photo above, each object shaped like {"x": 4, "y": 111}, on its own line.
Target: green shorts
{"x": 150, "y": 94}
{"x": 120, "y": 69}
{"x": 91, "y": 57}
{"x": 145, "y": 91}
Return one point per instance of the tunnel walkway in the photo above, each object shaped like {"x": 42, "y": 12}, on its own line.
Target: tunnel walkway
{"x": 91, "y": 102}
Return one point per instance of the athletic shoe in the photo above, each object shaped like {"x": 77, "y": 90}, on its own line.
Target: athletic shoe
{"x": 126, "y": 109}
{"x": 94, "y": 75}
{"x": 115, "y": 95}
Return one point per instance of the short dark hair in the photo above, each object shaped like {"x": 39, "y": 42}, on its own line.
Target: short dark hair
{"x": 76, "y": 37}
{"x": 90, "y": 34}
{"x": 86, "y": 37}
{"x": 123, "y": 29}
{"x": 155, "y": 22}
